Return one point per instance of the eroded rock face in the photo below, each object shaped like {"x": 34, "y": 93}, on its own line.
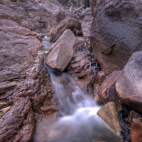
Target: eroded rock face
{"x": 61, "y": 52}
{"x": 129, "y": 85}
{"x": 116, "y": 32}
{"x": 107, "y": 90}
{"x": 18, "y": 124}
{"x": 68, "y": 23}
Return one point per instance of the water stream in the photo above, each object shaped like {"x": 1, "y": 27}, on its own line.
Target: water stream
{"x": 77, "y": 119}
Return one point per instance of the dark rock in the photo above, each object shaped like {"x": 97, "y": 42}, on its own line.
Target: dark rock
{"x": 128, "y": 85}
{"x": 116, "y": 32}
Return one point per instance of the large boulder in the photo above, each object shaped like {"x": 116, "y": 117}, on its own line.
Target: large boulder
{"x": 116, "y": 32}
{"x": 129, "y": 85}
{"x": 67, "y": 23}
{"x": 61, "y": 52}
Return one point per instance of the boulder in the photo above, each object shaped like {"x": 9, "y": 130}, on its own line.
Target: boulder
{"x": 116, "y": 32}
{"x": 107, "y": 90}
{"x": 67, "y": 23}
{"x": 129, "y": 84}
{"x": 61, "y": 52}
{"x": 109, "y": 113}
{"x": 136, "y": 132}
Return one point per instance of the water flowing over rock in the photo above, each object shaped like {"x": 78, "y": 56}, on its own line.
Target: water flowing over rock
{"x": 116, "y": 32}
{"x": 61, "y": 52}
{"x": 109, "y": 113}
{"x": 129, "y": 85}
{"x": 78, "y": 120}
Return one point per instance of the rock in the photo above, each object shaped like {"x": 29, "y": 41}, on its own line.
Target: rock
{"x": 129, "y": 84}
{"x": 68, "y": 23}
{"x": 18, "y": 123}
{"x": 109, "y": 113}
{"x": 87, "y": 11}
{"x": 107, "y": 90}
{"x": 116, "y": 32}
{"x": 61, "y": 51}
{"x": 86, "y": 25}
{"x": 33, "y": 15}
{"x": 136, "y": 132}
{"x": 79, "y": 43}
{"x": 19, "y": 47}
{"x": 100, "y": 77}
{"x": 80, "y": 65}
{"x": 4, "y": 110}
{"x": 134, "y": 117}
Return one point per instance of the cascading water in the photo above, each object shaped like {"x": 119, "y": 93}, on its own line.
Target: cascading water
{"x": 77, "y": 120}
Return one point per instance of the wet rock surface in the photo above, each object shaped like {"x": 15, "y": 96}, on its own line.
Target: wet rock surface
{"x": 115, "y": 32}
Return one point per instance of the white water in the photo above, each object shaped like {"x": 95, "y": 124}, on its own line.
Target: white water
{"x": 78, "y": 120}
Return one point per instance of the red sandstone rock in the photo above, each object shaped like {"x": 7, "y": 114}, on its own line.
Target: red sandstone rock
{"x": 136, "y": 132}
